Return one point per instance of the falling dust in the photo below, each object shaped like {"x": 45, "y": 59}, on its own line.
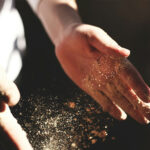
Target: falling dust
{"x": 99, "y": 73}
{"x": 62, "y": 123}
{"x": 71, "y": 122}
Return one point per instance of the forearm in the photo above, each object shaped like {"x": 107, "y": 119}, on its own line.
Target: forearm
{"x": 56, "y": 16}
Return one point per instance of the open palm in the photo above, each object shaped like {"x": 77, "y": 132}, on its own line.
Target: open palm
{"x": 98, "y": 65}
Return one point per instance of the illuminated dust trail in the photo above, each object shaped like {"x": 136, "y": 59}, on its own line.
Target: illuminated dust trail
{"x": 63, "y": 123}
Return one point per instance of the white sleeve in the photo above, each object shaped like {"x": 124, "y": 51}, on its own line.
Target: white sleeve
{"x": 34, "y": 4}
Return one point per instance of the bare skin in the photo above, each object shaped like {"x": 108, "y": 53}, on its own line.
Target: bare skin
{"x": 98, "y": 66}
{"x": 12, "y": 135}
{"x": 95, "y": 62}
{"x": 8, "y": 90}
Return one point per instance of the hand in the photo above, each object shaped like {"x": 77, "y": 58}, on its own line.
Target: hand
{"x": 9, "y": 92}
{"x": 98, "y": 65}
{"x": 11, "y": 134}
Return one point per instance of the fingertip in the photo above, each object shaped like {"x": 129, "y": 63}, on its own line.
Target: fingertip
{"x": 119, "y": 114}
{"x": 13, "y": 95}
{"x": 119, "y": 117}
{"x": 140, "y": 118}
{"x": 126, "y": 52}
{"x": 118, "y": 52}
{"x": 147, "y": 122}
{"x": 144, "y": 121}
{"x": 123, "y": 116}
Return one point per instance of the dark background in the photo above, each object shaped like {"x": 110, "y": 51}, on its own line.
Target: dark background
{"x": 125, "y": 21}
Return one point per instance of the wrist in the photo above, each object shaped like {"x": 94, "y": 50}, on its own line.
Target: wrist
{"x": 66, "y": 32}
{"x": 57, "y": 16}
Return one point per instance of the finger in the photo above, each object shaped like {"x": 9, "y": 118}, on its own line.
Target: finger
{"x": 133, "y": 98}
{"x": 105, "y": 44}
{"x": 8, "y": 90}
{"x": 133, "y": 79}
{"x": 121, "y": 101}
{"x": 13, "y": 94}
{"x": 127, "y": 92}
{"x": 12, "y": 131}
{"x": 108, "y": 106}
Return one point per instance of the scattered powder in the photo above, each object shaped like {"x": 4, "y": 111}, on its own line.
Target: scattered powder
{"x": 93, "y": 141}
{"x": 101, "y": 134}
{"x": 101, "y": 72}
{"x": 71, "y": 105}
{"x": 73, "y": 122}
{"x": 62, "y": 123}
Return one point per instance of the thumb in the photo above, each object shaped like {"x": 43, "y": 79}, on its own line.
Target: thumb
{"x": 106, "y": 45}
